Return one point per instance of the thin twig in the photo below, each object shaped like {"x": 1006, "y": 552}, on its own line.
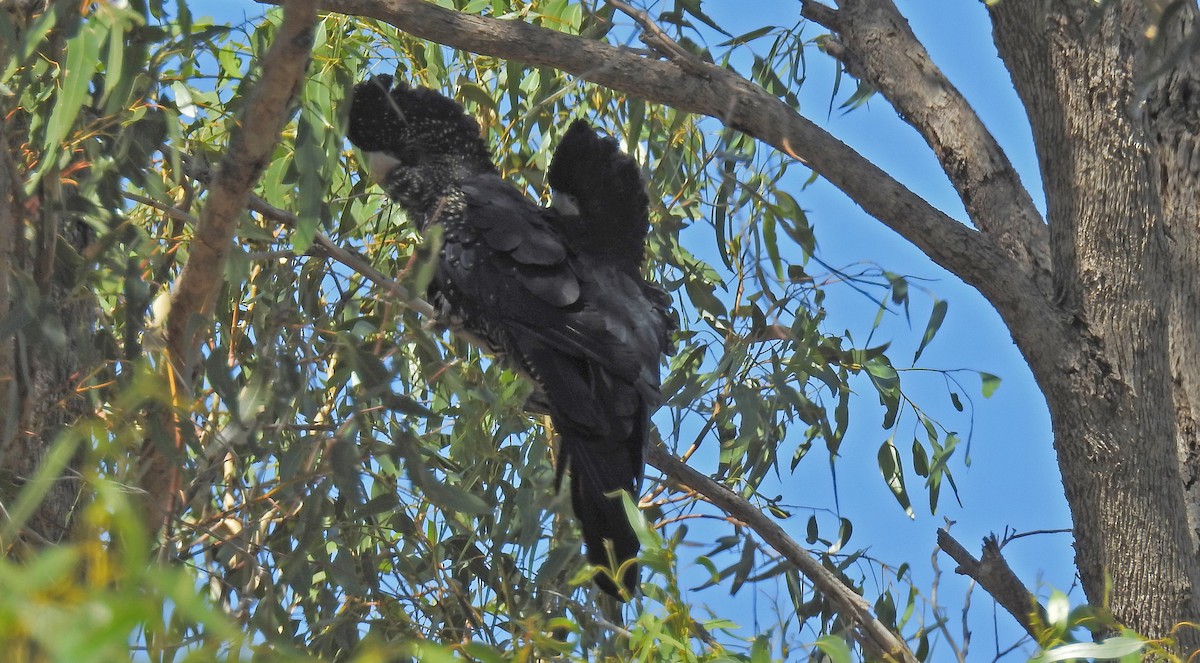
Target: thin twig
{"x": 1013, "y": 537}
{"x": 655, "y": 38}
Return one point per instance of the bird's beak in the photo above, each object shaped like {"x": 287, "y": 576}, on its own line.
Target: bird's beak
{"x": 379, "y": 164}
{"x": 564, "y": 203}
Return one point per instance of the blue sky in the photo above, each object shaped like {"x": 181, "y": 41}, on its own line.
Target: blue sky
{"x": 1012, "y": 481}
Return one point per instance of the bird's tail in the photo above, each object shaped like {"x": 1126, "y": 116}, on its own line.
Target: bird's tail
{"x": 600, "y": 470}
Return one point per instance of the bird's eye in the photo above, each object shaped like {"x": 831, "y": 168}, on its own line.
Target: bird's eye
{"x": 409, "y": 155}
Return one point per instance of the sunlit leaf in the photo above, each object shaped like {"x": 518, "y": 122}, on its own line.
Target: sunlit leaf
{"x": 936, "y": 317}
{"x": 990, "y": 383}
{"x": 1109, "y": 648}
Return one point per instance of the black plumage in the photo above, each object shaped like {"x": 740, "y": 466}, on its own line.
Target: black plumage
{"x": 556, "y": 292}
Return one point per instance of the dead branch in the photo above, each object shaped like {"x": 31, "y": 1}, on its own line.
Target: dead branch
{"x": 994, "y": 575}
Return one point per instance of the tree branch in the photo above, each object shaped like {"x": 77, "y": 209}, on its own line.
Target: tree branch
{"x": 883, "y": 51}
{"x": 655, "y": 38}
{"x": 254, "y": 139}
{"x": 347, "y": 257}
{"x": 994, "y": 575}
{"x": 875, "y": 638}
{"x": 189, "y": 319}
{"x": 710, "y": 90}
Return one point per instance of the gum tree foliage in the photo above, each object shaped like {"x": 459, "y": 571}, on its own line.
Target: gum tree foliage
{"x": 303, "y": 464}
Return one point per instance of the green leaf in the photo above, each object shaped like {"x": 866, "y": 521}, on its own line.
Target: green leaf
{"x": 742, "y": 568}
{"x": 431, "y": 653}
{"x": 936, "y": 317}
{"x": 749, "y": 36}
{"x": 647, "y": 536}
{"x": 772, "y": 242}
{"x": 887, "y": 383}
{"x": 990, "y": 383}
{"x": 835, "y": 648}
{"x": 1114, "y": 647}
{"x": 441, "y": 492}
{"x": 893, "y": 474}
{"x": 83, "y": 54}
{"x": 920, "y": 459}
{"x": 760, "y": 651}
{"x": 845, "y": 531}
{"x": 885, "y": 376}
{"x": 693, "y": 7}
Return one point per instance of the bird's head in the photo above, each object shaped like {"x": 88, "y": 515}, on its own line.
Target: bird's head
{"x": 418, "y": 143}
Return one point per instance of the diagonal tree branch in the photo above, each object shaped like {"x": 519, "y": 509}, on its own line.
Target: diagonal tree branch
{"x": 993, "y": 573}
{"x": 875, "y": 638}
{"x": 189, "y": 320}
{"x": 720, "y": 93}
{"x": 253, "y": 141}
{"x": 878, "y": 46}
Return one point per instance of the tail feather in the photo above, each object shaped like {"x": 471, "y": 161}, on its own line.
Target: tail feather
{"x": 599, "y": 471}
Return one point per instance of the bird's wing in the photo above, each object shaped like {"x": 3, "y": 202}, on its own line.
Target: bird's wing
{"x": 584, "y": 331}
{"x": 608, "y": 194}
{"x": 507, "y": 249}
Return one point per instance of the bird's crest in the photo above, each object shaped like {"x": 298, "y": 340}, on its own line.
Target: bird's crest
{"x": 389, "y": 116}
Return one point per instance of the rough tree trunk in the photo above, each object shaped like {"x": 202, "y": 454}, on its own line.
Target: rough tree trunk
{"x": 1121, "y": 206}
{"x": 1172, "y": 115}
{"x": 48, "y": 323}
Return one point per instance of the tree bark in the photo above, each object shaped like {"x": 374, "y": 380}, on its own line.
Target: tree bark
{"x": 1171, "y": 115}
{"x": 42, "y": 360}
{"x": 1115, "y": 235}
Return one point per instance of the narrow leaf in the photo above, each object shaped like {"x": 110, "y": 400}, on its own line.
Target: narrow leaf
{"x": 936, "y": 317}
{"x": 893, "y": 474}
{"x": 1114, "y": 647}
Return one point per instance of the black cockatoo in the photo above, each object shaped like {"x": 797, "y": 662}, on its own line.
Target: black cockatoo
{"x": 555, "y": 292}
